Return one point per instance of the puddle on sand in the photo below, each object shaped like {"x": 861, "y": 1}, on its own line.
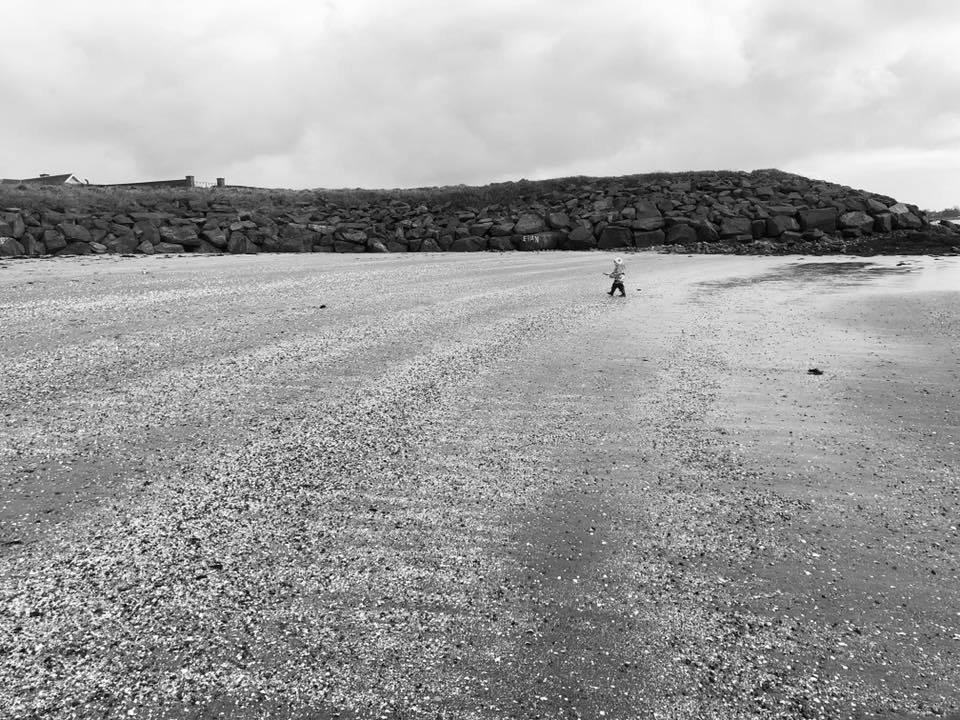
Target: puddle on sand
{"x": 920, "y": 274}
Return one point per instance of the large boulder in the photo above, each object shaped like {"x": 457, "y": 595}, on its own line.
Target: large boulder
{"x": 529, "y": 224}
{"x": 215, "y": 236}
{"x": 646, "y": 209}
{"x": 146, "y": 248}
{"x": 500, "y": 242}
{"x": 538, "y": 241}
{"x": 645, "y": 224}
{"x": 732, "y": 226}
{"x": 649, "y": 238}
{"x": 11, "y": 247}
{"x": 824, "y": 219}
{"x": 345, "y": 246}
{"x": 376, "y": 245}
{"x": 779, "y": 224}
{"x": 615, "y": 237}
{"x": 883, "y": 223}
{"x": 145, "y": 230}
{"x": 856, "y": 220}
{"x": 904, "y": 218}
{"x": 579, "y": 239}
{"x": 74, "y": 233}
{"x": 707, "y": 232}
{"x": 558, "y": 220}
{"x": 53, "y": 240}
{"x": 168, "y": 247}
{"x": 32, "y": 246}
{"x": 124, "y": 242}
{"x": 681, "y": 234}
{"x": 470, "y": 243}
{"x": 181, "y": 235}
{"x": 12, "y": 225}
{"x": 239, "y": 244}
{"x": 76, "y": 248}
{"x": 502, "y": 229}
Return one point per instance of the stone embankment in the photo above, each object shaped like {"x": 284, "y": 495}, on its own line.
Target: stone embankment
{"x": 761, "y": 212}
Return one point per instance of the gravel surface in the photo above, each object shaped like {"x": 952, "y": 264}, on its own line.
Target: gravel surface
{"x": 477, "y": 487}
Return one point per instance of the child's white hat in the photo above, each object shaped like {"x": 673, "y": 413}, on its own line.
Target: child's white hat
{"x": 617, "y": 260}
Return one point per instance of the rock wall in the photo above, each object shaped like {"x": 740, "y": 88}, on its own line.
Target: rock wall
{"x": 765, "y": 211}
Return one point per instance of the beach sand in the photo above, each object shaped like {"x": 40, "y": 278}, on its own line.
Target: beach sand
{"x": 476, "y": 486}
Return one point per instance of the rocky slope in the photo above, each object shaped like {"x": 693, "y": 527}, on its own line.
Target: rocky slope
{"x": 760, "y": 212}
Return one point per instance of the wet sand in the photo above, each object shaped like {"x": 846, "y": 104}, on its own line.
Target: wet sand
{"x": 476, "y": 486}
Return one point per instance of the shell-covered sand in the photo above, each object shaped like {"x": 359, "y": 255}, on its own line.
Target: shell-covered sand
{"x": 476, "y": 486}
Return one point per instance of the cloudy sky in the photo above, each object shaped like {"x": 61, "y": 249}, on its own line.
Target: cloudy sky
{"x": 402, "y": 93}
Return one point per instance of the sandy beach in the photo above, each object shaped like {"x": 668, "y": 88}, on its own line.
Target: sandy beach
{"x": 476, "y": 486}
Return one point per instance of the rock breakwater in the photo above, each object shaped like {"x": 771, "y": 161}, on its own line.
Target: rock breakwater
{"x": 759, "y": 212}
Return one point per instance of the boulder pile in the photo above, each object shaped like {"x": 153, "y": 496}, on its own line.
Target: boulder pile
{"x": 759, "y": 212}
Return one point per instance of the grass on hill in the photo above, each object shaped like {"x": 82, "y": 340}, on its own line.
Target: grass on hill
{"x": 92, "y": 198}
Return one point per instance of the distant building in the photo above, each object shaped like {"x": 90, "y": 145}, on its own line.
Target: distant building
{"x": 46, "y": 179}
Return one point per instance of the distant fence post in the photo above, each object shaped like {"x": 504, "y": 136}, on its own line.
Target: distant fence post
{"x": 221, "y": 182}
{"x": 190, "y": 181}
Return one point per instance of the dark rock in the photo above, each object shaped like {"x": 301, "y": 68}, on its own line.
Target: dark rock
{"x": 146, "y": 248}
{"x": 239, "y": 243}
{"x": 216, "y": 237}
{"x": 479, "y": 229}
{"x": 858, "y": 220}
{"x": 32, "y": 246}
{"x": 707, "y": 232}
{"x": 500, "y": 243}
{"x": 731, "y": 226}
{"x": 904, "y": 218}
{"x": 12, "y": 225}
{"x": 98, "y": 248}
{"x": 558, "y": 220}
{"x": 784, "y": 210}
{"x": 681, "y": 233}
{"x": 11, "y": 247}
{"x": 429, "y": 245}
{"x": 146, "y": 231}
{"x": 649, "y": 238}
{"x": 397, "y": 247}
{"x": 548, "y": 240}
{"x": 779, "y": 224}
{"x": 209, "y": 248}
{"x": 345, "y": 246}
{"x": 76, "y": 248}
{"x": 824, "y": 219}
{"x": 646, "y": 224}
{"x": 646, "y": 209}
{"x": 502, "y": 229}
{"x": 758, "y": 228}
{"x": 529, "y": 224}
{"x": 168, "y": 247}
{"x": 376, "y": 246}
{"x": 615, "y": 237}
{"x": 74, "y": 233}
{"x": 470, "y": 243}
{"x": 883, "y": 223}
{"x": 579, "y": 239}
{"x": 182, "y": 235}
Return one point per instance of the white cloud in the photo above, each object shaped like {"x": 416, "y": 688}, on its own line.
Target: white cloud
{"x": 378, "y": 93}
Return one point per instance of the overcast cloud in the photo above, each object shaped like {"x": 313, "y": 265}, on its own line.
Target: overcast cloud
{"x": 398, "y": 93}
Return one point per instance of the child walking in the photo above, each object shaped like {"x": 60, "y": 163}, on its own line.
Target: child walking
{"x": 617, "y": 277}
